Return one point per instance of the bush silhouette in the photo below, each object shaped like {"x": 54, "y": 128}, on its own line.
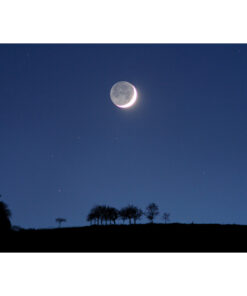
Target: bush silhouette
{"x": 5, "y": 215}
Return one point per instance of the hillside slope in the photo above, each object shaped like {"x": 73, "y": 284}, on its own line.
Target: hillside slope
{"x": 130, "y": 238}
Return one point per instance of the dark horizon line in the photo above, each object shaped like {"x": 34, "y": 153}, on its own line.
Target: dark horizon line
{"x": 129, "y": 225}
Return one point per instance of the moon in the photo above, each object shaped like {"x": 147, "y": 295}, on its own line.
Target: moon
{"x": 123, "y": 94}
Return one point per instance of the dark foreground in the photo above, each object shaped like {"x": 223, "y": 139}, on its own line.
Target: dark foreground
{"x": 133, "y": 238}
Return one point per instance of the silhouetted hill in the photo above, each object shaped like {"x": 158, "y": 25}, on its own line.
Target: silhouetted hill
{"x": 130, "y": 238}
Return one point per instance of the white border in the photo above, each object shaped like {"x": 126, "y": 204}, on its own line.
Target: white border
{"x": 123, "y": 274}
{"x": 110, "y": 21}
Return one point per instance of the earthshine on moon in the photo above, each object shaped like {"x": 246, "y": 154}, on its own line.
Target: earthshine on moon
{"x": 123, "y": 94}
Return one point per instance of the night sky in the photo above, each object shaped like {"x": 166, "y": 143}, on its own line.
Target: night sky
{"x": 65, "y": 147}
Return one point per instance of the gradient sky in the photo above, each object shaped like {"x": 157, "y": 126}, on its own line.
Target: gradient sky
{"x": 65, "y": 147}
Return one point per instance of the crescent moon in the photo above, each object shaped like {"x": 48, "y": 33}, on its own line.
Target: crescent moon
{"x": 131, "y": 102}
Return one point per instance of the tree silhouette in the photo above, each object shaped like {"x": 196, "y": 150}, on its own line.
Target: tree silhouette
{"x": 91, "y": 218}
{"x": 95, "y": 214}
{"x": 60, "y": 221}
{"x": 126, "y": 213}
{"x": 113, "y": 214}
{"x": 5, "y": 215}
{"x": 152, "y": 210}
{"x": 137, "y": 214}
{"x": 103, "y": 214}
{"x": 130, "y": 212}
{"x": 100, "y": 213}
{"x": 123, "y": 214}
{"x": 166, "y": 217}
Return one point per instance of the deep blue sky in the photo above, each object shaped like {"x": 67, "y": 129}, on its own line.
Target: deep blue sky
{"x": 65, "y": 147}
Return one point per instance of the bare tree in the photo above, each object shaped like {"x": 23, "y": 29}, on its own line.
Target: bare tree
{"x": 166, "y": 217}
{"x": 60, "y": 221}
{"x": 152, "y": 210}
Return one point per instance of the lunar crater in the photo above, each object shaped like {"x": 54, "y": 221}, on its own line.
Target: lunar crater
{"x": 123, "y": 94}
